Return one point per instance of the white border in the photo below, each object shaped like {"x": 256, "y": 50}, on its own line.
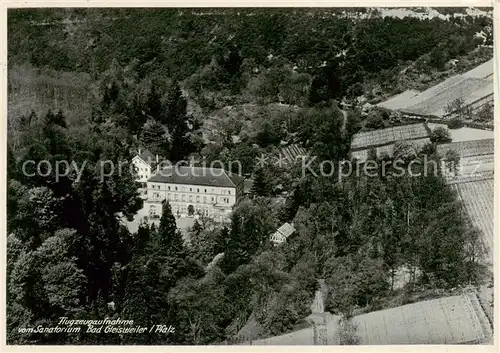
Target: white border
{"x": 224, "y": 3}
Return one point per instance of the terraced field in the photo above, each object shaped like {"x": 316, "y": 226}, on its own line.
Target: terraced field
{"x": 450, "y": 320}
{"x": 362, "y": 155}
{"x": 292, "y": 153}
{"x": 477, "y": 198}
{"x": 381, "y": 137}
{"x": 469, "y": 148}
{"x": 472, "y": 86}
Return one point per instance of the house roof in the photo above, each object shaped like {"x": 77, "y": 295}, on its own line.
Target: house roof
{"x": 197, "y": 176}
{"x": 147, "y": 156}
{"x": 282, "y": 233}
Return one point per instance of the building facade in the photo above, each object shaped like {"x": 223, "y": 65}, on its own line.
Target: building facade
{"x": 211, "y": 192}
{"x": 143, "y": 163}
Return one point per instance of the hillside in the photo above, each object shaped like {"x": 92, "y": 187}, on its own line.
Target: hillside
{"x": 371, "y": 46}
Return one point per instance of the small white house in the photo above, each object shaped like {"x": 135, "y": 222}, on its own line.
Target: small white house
{"x": 144, "y": 162}
{"x": 282, "y": 234}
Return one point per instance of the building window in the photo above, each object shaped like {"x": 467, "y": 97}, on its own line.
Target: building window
{"x": 176, "y": 188}
{"x": 212, "y": 199}
{"x": 190, "y": 189}
{"x": 204, "y": 199}
{"x": 176, "y": 197}
{"x": 197, "y": 190}
{"x": 229, "y": 192}
{"x": 197, "y": 199}
{"x": 190, "y": 198}
{"x": 205, "y": 190}
{"x": 169, "y": 187}
{"x": 183, "y": 197}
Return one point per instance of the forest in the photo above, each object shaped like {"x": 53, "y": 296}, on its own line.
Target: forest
{"x": 155, "y": 78}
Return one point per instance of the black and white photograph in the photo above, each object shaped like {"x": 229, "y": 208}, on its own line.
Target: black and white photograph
{"x": 250, "y": 176}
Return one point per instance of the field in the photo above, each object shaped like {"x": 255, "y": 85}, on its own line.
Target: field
{"x": 469, "y": 148}
{"x": 464, "y": 133}
{"x": 362, "y": 155}
{"x": 470, "y": 86}
{"x": 477, "y": 197}
{"x": 381, "y": 137}
{"x": 292, "y": 154}
{"x": 450, "y": 320}
{"x": 302, "y": 337}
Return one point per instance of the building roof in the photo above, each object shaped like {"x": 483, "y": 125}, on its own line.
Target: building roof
{"x": 468, "y": 148}
{"x": 282, "y": 233}
{"x": 369, "y": 139}
{"x": 197, "y": 176}
{"x": 146, "y": 156}
{"x": 471, "y": 86}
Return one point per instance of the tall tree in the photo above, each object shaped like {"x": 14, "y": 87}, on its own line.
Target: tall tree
{"x": 177, "y": 123}
{"x": 154, "y": 137}
{"x": 261, "y": 186}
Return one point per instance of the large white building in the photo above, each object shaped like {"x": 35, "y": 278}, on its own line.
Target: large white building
{"x": 209, "y": 191}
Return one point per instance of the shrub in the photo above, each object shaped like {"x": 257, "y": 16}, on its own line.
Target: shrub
{"x": 455, "y": 123}
{"x": 375, "y": 121}
{"x": 440, "y": 135}
{"x": 485, "y": 114}
{"x": 459, "y": 108}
